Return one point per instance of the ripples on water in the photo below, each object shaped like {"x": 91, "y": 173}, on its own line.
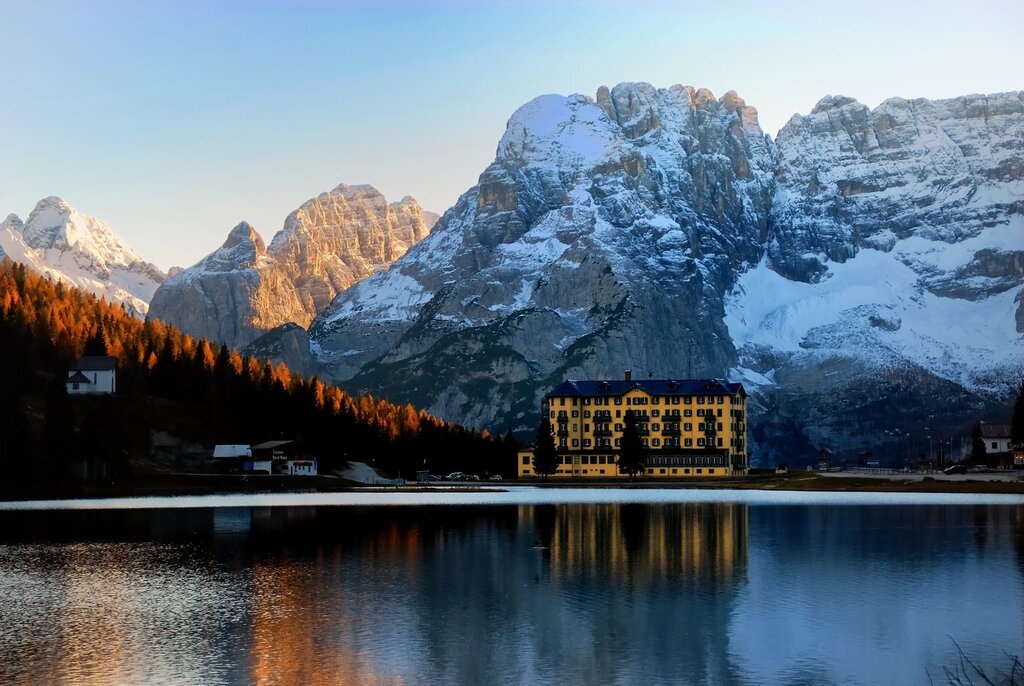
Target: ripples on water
{"x": 613, "y": 593}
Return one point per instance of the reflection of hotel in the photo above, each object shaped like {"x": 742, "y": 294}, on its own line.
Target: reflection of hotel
{"x": 689, "y": 428}
{"x": 647, "y": 542}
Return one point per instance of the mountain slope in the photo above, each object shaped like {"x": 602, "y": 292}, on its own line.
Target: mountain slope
{"x": 245, "y": 289}
{"x": 61, "y": 242}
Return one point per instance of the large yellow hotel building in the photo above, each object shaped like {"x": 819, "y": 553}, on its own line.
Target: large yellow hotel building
{"x": 690, "y": 427}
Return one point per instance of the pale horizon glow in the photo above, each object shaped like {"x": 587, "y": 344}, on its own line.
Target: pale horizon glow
{"x": 174, "y": 121}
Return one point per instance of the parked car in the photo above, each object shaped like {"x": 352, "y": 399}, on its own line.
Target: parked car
{"x": 955, "y": 469}
{"x": 471, "y": 477}
{"x": 456, "y": 476}
{"x": 980, "y": 468}
{"x": 496, "y": 477}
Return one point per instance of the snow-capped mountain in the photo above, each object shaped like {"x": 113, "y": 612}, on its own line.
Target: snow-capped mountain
{"x": 80, "y": 250}
{"x": 862, "y": 274}
{"x": 245, "y": 289}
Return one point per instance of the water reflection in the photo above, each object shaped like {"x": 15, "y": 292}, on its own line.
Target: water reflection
{"x": 593, "y": 594}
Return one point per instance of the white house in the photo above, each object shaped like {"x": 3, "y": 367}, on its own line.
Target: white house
{"x": 95, "y": 374}
{"x": 996, "y": 437}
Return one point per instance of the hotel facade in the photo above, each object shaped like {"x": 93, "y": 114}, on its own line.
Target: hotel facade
{"x": 689, "y": 427}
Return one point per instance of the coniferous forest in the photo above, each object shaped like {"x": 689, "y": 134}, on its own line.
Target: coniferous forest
{"x": 171, "y": 384}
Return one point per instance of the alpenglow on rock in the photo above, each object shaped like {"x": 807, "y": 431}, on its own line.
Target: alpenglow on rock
{"x": 862, "y": 275}
{"x": 245, "y": 289}
{"x": 61, "y": 242}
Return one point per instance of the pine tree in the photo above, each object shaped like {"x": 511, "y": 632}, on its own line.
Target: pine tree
{"x": 631, "y": 452}
{"x": 1017, "y": 422}
{"x": 545, "y": 457}
{"x": 978, "y": 451}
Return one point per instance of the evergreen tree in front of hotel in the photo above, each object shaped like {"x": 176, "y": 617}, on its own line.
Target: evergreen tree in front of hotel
{"x": 631, "y": 453}
{"x": 545, "y": 457}
{"x": 1017, "y": 421}
{"x": 978, "y": 451}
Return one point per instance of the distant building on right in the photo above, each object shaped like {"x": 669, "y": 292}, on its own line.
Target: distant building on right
{"x": 689, "y": 427}
{"x": 999, "y": 448}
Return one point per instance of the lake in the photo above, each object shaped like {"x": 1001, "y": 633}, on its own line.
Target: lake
{"x": 607, "y": 586}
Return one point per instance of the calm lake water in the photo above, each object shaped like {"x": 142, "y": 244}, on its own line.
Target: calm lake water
{"x": 645, "y": 587}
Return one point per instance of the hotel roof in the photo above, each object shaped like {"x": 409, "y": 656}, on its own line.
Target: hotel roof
{"x": 591, "y": 388}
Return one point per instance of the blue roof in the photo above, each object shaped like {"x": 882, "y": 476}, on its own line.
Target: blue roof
{"x": 591, "y": 388}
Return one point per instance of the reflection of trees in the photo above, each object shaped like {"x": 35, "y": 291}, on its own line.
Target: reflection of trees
{"x": 438, "y": 595}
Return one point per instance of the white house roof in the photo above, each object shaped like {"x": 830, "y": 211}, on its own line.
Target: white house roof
{"x": 95, "y": 363}
{"x": 231, "y": 451}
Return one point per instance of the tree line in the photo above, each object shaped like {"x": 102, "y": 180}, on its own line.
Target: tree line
{"x": 193, "y": 388}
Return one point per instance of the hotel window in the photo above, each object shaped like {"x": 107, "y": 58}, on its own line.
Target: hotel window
{"x": 586, "y": 414}
{"x": 618, "y": 442}
{"x": 585, "y": 459}
{"x": 562, "y": 443}
{"x": 689, "y": 442}
{"x": 618, "y": 401}
{"x": 655, "y": 442}
{"x": 575, "y": 413}
{"x": 576, "y": 442}
{"x": 686, "y": 471}
{"x": 719, "y": 426}
{"x": 526, "y": 459}
{"x": 655, "y": 413}
{"x": 600, "y": 459}
{"x": 567, "y": 460}
{"x": 586, "y": 401}
{"x": 662, "y": 471}
{"x": 618, "y": 427}
{"x": 700, "y": 412}
{"x": 655, "y": 427}
{"x": 689, "y": 426}
{"x": 561, "y": 401}
{"x": 700, "y": 471}
{"x": 687, "y": 413}
{"x": 552, "y": 414}
{"x": 655, "y": 401}
{"x": 586, "y": 442}
{"x": 645, "y": 442}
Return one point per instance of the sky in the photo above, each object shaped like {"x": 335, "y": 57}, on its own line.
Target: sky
{"x": 174, "y": 120}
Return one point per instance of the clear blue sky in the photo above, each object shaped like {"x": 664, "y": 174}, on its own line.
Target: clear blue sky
{"x": 173, "y": 121}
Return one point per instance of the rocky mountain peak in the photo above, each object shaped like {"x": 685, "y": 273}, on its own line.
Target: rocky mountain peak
{"x": 12, "y": 222}
{"x": 330, "y": 242}
{"x": 244, "y": 235}
{"x": 833, "y": 102}
{"x": 60, "y": 241}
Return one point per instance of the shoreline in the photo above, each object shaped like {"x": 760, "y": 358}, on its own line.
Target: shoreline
{"x": 203, "y": 484}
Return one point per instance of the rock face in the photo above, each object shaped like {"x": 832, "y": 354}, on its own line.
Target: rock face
{"x": 288, "y": 343}
{"x": 861, "y": 275}
{"x": 887, "y": 307}
{"x": 594, "y": 241}
{"x": 80, "y": 250}
{"x": 245, "y": 289}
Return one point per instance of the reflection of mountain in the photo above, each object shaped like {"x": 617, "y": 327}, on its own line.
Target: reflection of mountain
{"x": 829, "y": 586}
